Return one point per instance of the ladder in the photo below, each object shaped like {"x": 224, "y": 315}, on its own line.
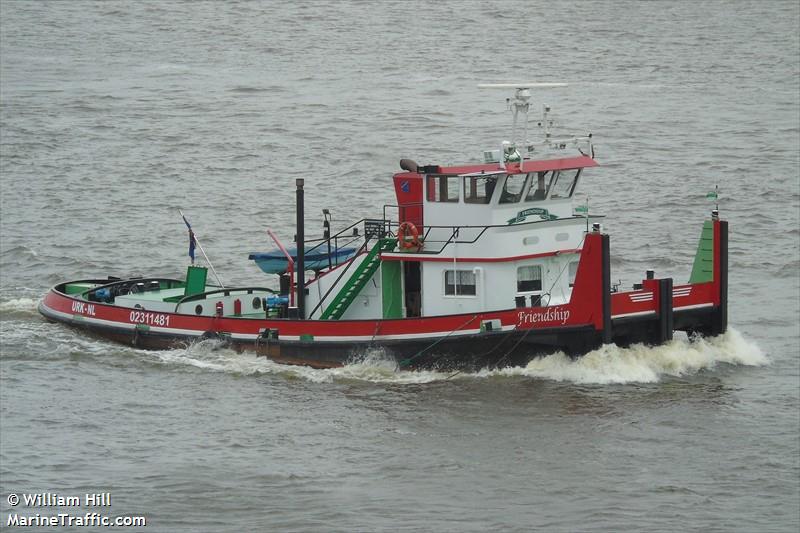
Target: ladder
{"x": 358, "y": 280}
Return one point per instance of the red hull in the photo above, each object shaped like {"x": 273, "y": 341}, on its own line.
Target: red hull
{"x": 593, "y": 316}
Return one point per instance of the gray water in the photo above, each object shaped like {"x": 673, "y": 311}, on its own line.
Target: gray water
{"x": 114, "y": 115}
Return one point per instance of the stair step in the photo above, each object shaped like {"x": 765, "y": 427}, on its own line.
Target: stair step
{"x": 359, "y": 279}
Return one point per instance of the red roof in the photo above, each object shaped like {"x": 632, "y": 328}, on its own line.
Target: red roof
{"x": 529, "y": 166}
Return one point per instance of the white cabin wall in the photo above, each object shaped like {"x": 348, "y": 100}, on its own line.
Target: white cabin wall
{"x": 511, "y": 240}
{"x": 495, "y": 288}
{"x": 496, "y": 285}
{"x": 369, "y": 302}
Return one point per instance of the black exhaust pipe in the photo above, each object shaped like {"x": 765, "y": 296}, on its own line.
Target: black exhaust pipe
{"x": 300, "y": 267}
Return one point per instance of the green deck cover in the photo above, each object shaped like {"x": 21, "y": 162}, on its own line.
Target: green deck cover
{"x": 391, "y": 277}
{"x": 195, "y": 280}
{"x": 703, "y": 269}
{"x": 76, "y": 288}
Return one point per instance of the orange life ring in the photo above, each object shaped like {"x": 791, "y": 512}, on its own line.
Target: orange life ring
{"x": 406, "y": 230}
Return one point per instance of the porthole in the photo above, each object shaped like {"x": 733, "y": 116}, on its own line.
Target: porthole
{"x": 561, "y": 237}
{"x": 256, "y": 303}
{"x": 198, "y": 309}
{"x": 530, "y": 240}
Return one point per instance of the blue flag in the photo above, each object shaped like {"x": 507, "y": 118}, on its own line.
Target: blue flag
{"x": 192, "y": 244}
{"x": 192, "y": 241}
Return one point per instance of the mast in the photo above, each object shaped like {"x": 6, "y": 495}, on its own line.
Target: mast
{"x": 511, "y": 151}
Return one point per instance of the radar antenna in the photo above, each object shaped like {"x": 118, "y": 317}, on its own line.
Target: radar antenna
{"x": 520, "y": 104}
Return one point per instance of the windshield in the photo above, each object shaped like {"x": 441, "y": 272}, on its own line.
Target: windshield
{"x": 479, "y": 189}
{"x": 512, "y": 188}
{"x": 565, "y": 183}
{"x": 540, "y": 186}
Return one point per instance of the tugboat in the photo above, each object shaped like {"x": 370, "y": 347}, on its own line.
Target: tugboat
{"x": 482, "y": 265}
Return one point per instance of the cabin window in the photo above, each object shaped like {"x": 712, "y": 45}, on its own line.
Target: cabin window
{"x": 512, "y": 188}
{"x": 573, "y": 271}
{"x": 442, "y": 188}
{"x": 529, "y": 278}
{"x": 539, "y": 186}
{"x": 565, "y": 183}
{"x": 479, "y": 189}
{"x": 459, "y": 283}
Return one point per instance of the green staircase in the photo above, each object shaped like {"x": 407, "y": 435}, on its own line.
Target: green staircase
{"x": 357, "y": 280}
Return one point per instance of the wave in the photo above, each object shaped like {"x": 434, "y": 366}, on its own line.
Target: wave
{"x": 19, "y": 308}
{"x": 609, "y": 364}
{"x": 212, "y": 355}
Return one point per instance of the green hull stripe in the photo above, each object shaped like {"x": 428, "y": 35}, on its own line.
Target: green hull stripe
{"x": 703, "y": 268}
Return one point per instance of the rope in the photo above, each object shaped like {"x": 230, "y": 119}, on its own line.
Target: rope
{"x": 419, "y": 353}
{"x": 497, "y": 364}
{"x": 510, "y": 351}
{"x": 377, "y": 328}
{"x": 560, "y": 273}
{"x": 524, "y": 336}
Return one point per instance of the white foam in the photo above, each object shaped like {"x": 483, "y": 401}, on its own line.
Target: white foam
{"x": 642, "y": 364}
{"x": 18, "y": 306}
{"x": 376, "y": 367}
{"x": 606, "y": 365}
{"x": 212, "y": 355}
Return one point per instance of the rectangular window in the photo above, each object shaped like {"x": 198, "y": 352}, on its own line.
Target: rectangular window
{"x": 529, "y": 278}
{"x": 442, "y": 188}
{"x": 512, "y": 188}
{"x": 459, "y": 283}
{"x": 573, "y": 271}
{"x": 479, "y": 189}
{"x": 540, "y": 187}
{"x": 565, "y": 183}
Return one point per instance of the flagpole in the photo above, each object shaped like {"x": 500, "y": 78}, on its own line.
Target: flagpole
{"x": 587, "y": 213}
{"x": 197, "y": 241}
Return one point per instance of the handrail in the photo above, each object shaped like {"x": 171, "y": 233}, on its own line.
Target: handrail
{"x": 483, "y": 230}
{"x": 399, "y": 208}
{"x": 388, "y": 225}
{"x": 467, "y": 226}
{"x": 61, "y": 287}
{"x": 350, "y": 263}
{"x": 203, "y": 295}
{"x": 335, "y": 238}
{"x": 127, "y": 282}
{"x": 323, "y": 240}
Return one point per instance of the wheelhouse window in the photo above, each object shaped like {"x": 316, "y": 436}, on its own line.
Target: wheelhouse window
{"x": 540, "y": 186}
{"x": 565, "y": 183}
{"x": 442, "y": 188}
{"x": 479, "y": 189}
{"x": 459, "y": 283}
{"x": 529, "y": 278}
{"x": 512, "y": 188}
